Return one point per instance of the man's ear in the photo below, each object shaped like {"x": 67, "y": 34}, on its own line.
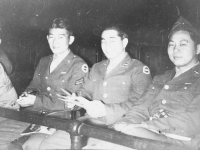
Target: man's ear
{"x": 47, "y": 37}
{"x": 0, "y": 41}
{"x": 125, "y": 42}
{"x": 71, "y": 39}
{"x": 198, "y": 49}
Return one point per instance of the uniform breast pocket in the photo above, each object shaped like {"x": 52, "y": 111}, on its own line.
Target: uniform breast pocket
{"x": 62, "y": 77}
{"x": 121, "y": 85}
{"x": 185, "y": 93}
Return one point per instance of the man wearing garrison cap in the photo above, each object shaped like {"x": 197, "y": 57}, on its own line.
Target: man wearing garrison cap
{"x": 183, "y": 24}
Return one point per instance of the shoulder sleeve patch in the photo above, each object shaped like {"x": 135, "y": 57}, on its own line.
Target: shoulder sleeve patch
{"x": 85, "y": 68}
{"x": 146, "y": 70}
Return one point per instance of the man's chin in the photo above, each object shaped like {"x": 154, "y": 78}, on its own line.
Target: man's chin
{"x": 178, "y": 65}
{"x": 109, "y": 56}
{"x": 56, "y": 51}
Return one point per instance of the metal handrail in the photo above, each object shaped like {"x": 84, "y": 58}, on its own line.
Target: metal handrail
{"x": 77, "y": 129}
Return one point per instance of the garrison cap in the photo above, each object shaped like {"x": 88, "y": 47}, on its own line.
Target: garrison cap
{"x": 183, "y": 24}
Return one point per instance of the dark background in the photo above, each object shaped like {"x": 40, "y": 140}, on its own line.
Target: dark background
{"x": 24, "y": 28}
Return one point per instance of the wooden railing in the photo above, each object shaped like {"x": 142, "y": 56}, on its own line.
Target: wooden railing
{"x": 77, "y": 129}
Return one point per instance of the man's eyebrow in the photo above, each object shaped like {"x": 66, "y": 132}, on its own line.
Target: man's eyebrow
{"x": 58, "y": 34}
{"x": 180, "y": 41}
{"x": 184, "y": 40}
{"x": 110, "y": 38}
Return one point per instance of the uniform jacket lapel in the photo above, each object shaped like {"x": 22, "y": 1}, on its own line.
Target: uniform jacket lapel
{"x": 103, "y": 68}
{"x": 65, "y": 63}
{"x": 123, "y": 65}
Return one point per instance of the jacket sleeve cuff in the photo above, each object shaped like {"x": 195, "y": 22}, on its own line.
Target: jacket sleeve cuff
{"x": 37, "y": 102}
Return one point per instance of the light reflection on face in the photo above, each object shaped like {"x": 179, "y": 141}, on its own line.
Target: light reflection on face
{"x": 112, "y": 44}
{"x": 58, "y": 40}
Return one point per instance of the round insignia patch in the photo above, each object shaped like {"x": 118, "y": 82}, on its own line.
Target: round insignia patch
{"x": 84, "y": 68}
{"x": 146, "y": 70}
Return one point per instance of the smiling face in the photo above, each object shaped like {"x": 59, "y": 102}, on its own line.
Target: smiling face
{"x": 112, "y": 44}
{"x": 59, "y": 40}
{"x": 182, "y": 50}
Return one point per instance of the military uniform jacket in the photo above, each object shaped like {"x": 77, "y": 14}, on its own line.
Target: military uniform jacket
{"x": 118, "y": 89}
{"x": 178, "y": 98}
{"x": 69, "y": 75}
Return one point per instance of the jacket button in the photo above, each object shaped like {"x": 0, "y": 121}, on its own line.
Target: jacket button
{"x": 105, "y": 84}
{"x": 48, "y": 88}
{"x": 166, "y": 87}
{"x": 164, "y": 101}
{"x": 105, "y": 95}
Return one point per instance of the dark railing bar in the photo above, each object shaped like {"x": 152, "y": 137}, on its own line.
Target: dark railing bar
{"x": 126, "y": 140}
{"x": 35, "y": 118}
{"x": 77, "y": 129}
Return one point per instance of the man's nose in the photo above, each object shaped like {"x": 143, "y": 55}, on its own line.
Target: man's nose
{"x": 176, "y": 48}
{"x": 55, "y": 41}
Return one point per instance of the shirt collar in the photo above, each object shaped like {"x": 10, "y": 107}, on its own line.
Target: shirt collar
{"x": 61, "y": 57}
{"x": 181, "y": 71}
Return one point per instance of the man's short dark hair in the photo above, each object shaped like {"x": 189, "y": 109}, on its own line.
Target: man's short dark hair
{"x": 62, "y": 23}
{"x": 121, "y": 32}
